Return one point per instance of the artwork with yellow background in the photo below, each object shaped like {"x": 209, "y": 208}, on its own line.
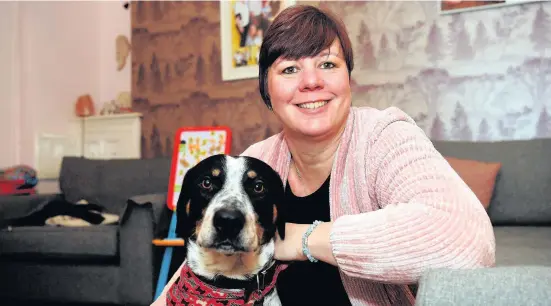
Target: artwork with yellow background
{"x": 249, "y": 21}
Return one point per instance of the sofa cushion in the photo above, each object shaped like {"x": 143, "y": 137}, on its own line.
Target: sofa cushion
{"x": 523, "y": 245}
{"x": 479, "y": 176}
{"x": 122, "y": 179}
{"x": 111, "y": 182}
{"x": 99, "y": 241}
{"x": 522, "y": 192}
{"x": 79, "y": 178}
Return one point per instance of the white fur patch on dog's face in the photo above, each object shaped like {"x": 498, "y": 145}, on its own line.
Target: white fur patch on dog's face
{"x": 232, "y": 196}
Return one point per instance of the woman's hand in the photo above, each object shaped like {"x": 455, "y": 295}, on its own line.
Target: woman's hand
{"x": 290, "y": 249}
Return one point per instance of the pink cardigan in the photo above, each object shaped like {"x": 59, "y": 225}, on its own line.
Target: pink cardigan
{"x": 398, "y": 208}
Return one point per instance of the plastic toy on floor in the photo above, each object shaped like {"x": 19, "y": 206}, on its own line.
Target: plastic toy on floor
{"x": 191, "y": 145}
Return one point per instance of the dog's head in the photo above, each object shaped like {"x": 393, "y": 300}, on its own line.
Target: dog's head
{"x": 231, "y": 204}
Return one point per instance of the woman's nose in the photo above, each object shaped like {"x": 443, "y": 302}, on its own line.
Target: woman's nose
{"x": 311, "y": 80}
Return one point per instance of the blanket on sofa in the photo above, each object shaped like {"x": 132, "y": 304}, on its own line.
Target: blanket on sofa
{"x": 59, "y": 212}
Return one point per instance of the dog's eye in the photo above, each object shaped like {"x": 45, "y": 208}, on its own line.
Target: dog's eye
{"x": 206, "y": 183}
{"x": 258, "y": 187}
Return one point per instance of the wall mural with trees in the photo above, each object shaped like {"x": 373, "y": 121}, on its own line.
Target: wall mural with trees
{"x": 479, "y": 75}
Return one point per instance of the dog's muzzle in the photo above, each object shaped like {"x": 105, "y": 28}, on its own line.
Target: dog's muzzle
{"x": 228, "y": 224}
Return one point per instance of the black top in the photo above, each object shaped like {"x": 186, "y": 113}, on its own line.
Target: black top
{"x": 304, "y": 282}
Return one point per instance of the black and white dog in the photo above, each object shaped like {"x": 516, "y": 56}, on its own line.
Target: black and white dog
{"x": 229, "y": 211}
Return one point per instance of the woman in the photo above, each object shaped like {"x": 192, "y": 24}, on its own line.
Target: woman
{"x": 391, "y": 207}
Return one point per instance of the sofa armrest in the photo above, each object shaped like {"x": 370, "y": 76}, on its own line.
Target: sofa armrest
{"x": 137, "y": 228}
{"x": 513, "y": 285}
{"x": 15, "y": 207}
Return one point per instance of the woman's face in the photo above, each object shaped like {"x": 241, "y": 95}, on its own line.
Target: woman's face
{"x": 311, "y": 96}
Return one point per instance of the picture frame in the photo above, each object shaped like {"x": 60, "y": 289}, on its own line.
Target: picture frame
{"x": 241, "y": 37}
{"x": 458, "y": 6}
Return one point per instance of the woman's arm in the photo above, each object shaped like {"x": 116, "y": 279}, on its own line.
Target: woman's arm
{"x": 429, "y": 218}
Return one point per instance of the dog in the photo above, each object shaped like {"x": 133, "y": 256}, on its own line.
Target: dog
{"x": 229, "y": 211}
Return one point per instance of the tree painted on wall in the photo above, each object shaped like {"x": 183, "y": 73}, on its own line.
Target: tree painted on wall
{"x": 155, "y": 142}
{"x": 460, "y": 125}
{"x": 459, "y": 39}
{"x": 200, "y": 71}
{"x": 505, "y": 131}
{"x": 481, "y": 41}
{"x": 435, "y": 44}
{"x": 216, "y": 65}
{"x": 543, "y": 126}
{"x": 141, "y": 76}
{"x": 484, "y": 131}
{"x": 463, "y": 47}
{"x": 366, "y": 47}
{"x": 156, "y": 74}
{"x": 541, "y": 31}
{"x": 383, "y": 46}
{"x": 438, "y": 129}
{"x": 168, "y": 147}
{"x": 168, "y": 74}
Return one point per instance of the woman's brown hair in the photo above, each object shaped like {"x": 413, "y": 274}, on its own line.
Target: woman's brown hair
{"x": 300, "y": 31}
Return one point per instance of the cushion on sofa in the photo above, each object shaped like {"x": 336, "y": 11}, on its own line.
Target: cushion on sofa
{"x": 479, "y": 176}
{"x": 523, "y": 245}
{"x": 522, "y": 192}
{"x": 112, "y": 182}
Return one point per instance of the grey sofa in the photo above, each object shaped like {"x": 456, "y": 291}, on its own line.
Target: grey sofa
{"x": 499, "y": 286}
{"x": 520, "y": 211}
{"x": 111, "y": 264}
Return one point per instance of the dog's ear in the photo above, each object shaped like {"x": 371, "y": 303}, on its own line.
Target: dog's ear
{"x": 281, "y": 207}
{"x": 184, "y": 224}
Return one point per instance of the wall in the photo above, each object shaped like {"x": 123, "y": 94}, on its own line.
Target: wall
{"x": 9, "y": 84}
{"x": 176, "y": 77}
{"x": 482, "y": 76}
{"x": 53, "y": 52}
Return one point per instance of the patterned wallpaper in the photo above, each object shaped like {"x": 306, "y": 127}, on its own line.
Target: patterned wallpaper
{"x": 479, "y": 75}
{"x": 482, "y": 75}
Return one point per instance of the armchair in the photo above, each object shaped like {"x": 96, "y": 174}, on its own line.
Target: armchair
{"x": 112, "y": 264}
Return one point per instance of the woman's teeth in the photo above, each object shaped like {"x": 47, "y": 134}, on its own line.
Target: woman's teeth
{"x": 313, "y": 105}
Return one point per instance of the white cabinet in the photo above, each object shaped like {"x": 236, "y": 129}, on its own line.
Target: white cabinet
{"x": 112, "y": 136}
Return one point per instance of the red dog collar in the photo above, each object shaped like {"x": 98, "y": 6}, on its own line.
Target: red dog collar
{"x": 190, "y": 290}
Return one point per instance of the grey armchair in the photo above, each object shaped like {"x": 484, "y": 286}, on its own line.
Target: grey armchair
{"x": 112, "y": 264}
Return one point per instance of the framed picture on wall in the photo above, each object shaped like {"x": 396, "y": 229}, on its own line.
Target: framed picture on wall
{"x": 242, "y": 27}
{"x": 457, "y": 6}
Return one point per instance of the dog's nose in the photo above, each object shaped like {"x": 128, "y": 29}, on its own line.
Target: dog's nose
{"x": 228, "y": 222}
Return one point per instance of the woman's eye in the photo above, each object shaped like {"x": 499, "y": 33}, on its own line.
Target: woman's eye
{"x": 290, "y": 70}
{"x": 206, "y": 183}
{"x": 327, "y": 65}
{"x": 258, "y": 188}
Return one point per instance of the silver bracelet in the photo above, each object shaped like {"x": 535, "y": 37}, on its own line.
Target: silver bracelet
{"x": 305, "y": 249}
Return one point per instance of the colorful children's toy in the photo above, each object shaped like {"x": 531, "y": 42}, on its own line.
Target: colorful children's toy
{"x": 191, "y": 145}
